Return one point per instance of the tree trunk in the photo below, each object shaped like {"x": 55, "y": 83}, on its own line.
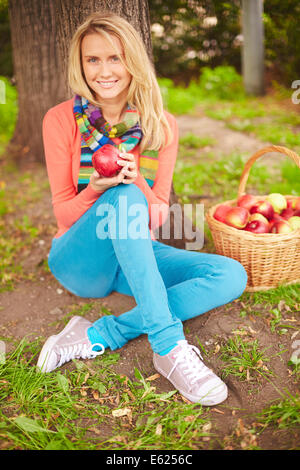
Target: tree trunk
{"x": 41, "y": 31}
{"x": 36, "y": 62}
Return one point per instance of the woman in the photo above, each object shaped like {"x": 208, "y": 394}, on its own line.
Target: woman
{"x": 118, "y": 102}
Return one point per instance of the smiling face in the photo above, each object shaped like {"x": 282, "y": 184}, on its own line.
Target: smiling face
{"x": 104, "y": 72}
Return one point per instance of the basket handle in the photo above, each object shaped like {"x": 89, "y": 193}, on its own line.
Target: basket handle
{"x": 273, "y": 148}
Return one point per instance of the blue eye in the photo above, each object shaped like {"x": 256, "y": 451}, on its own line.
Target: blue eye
{"x": 91, "y": 59}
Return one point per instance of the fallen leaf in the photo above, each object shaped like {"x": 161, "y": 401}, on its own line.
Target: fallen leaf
{"x": 206, "y": 427}
{"x": 121, "y": 412}
{"x": 251, "y": 330}
{"x": 153, "y": 377}
{"x": 185, "y": 399}
{"x": 158, "y": 430}
{"x": 189, "y": 419}
{"x": 217, "y": 411}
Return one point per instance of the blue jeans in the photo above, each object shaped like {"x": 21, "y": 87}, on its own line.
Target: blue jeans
{"x": 169, "y": 285}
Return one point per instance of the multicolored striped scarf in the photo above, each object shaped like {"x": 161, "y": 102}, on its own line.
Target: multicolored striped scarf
{"x": 96, "y": 132}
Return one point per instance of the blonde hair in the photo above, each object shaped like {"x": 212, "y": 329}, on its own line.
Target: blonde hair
{"x": 144, "y": 92}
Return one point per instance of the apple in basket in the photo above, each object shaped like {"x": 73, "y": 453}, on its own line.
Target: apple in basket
{"x": 247, "y": 201}
{"x": 104, "y": 160}
{"x": 294, "y": 203}
{"x": 237, "y": 217}
{"x": 281, "y": 226}
{"x": 257, "y": 216}
{"x": 221, "y": 211}
{"x": 294, "y": 222}
{"x": 263, "y": 207}
{"x": 278, "y": 202}
{"x": 287, "y": 213}
{"x": 257, "y": 226}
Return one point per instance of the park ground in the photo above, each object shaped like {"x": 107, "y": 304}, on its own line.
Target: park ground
{"x": 118, "y": 401}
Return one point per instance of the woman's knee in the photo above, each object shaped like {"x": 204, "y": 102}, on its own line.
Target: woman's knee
{"x": 235, "y": 276}
{"x": 132, "y": 192}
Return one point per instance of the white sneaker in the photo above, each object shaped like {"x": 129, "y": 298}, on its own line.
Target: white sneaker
{"x": 71, "y": 343}
{"x": 190, "y": 376}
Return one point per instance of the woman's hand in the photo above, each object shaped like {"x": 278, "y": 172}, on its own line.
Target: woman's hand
{"x": 127, "y": 175}
{"x": 129, "y": 167}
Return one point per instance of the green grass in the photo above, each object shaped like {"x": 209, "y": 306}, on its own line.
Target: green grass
{"x": 289, "y": 294}
{"x": 282, "y": 414}
{"x": 243, "y": 359}
{"x": 220, "y": 94}
{"x": 68, "y": 409}
{"x": 219, "y": 178}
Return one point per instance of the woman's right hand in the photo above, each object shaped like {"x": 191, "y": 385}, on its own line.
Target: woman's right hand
{"x": 100, "y": 183}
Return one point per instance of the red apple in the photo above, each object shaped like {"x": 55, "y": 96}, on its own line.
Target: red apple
{"x": 247, "y": 201}
{"x": 276, "y": 218}
{"x": 263, "y": 207}
{"x": 257, "y": 226}
{"x": 221, "y": 212}
{"x": 281, "y": 226}
{"x": 287, "y": 213}
{"x": 257, "y": 216}
{"x": 278, "y": 201}
{"x": 297, "y": 213}
{"x": 237, "y": 217}
{"x": 104, "y": 161}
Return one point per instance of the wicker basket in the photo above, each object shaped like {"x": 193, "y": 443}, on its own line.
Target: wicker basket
{"x": 269, "y": 259}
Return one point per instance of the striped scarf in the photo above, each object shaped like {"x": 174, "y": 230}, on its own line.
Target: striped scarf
{"x": 96, "y": 132}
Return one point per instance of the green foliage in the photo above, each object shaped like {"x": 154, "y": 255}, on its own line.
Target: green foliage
{"x": 282, "y": 413}
{"x": 222, "y": 83}
{"x": 8, "y": 114}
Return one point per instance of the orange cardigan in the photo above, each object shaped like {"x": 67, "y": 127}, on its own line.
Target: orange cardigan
{"x": 62, "y": 147}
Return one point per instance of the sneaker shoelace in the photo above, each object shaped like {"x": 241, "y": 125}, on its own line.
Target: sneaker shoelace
{"x": 189, "y": 357}
{"x": 76, "y": 351}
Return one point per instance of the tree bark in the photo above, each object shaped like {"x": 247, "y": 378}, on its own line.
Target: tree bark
{"x": 41, "y": 31}
{"x": 36, "y": 62}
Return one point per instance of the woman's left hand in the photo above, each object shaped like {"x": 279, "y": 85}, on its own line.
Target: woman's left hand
{"x": 127, "y": 161}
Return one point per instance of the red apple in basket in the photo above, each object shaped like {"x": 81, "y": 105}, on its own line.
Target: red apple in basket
{"x": 278, "y": 201}
{"x": 257, "y": 226}
{"x": 282, "y": 226}
{"x": 257, "y": 216}
{"x": 237, "y": 217}
{"x": 287, "y": 213}
{"x": 276, "y": 218}
{"x": 297, "y": 213}
{"x": 104, "y": 161}
{"x": 221, "y": 212}
{"x": 264, "y": 208}
{"x": 247, "y": 201}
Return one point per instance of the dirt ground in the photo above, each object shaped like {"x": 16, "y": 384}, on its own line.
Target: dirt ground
{"x": 34, "y": 309}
